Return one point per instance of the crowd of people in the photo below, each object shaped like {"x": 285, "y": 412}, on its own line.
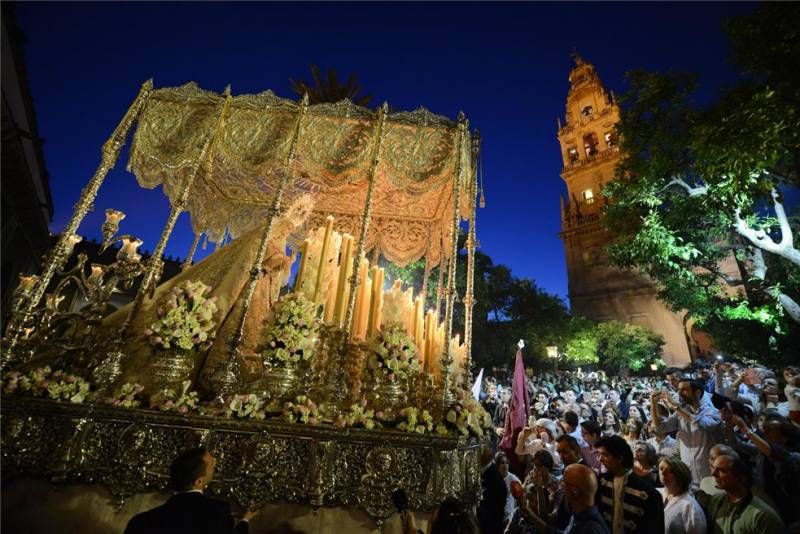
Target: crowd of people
{"x": 711, "y": 448}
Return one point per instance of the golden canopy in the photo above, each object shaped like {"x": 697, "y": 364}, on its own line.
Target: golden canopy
{"x": 412, "y": 208}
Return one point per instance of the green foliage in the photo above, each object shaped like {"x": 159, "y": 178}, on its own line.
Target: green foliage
{"x": 614, "y": 346}
{"x": 686, "y": 171}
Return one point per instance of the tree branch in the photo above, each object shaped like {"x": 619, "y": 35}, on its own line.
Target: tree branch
{"x": 695, "y": 191}
{"x": 790, "y": 305}
{"x": 759, "y": 265}
{"x": 760, "y": 238}
{"x": 728, "y": 279}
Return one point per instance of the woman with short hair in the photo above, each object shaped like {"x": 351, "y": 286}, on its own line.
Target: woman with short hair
{"x": 682, "y": 513}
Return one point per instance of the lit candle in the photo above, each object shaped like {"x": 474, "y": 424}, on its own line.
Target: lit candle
{"x": 323, "y": 257}
{"x": 366, "y": 300}
{"x": 361, "y": 295}
{"x": 298, "y": 282}
{"x": 345, "y": 270}
{"x": 373, "y": 301}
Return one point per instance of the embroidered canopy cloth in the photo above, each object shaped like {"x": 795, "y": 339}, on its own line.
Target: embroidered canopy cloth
{"x": 419, "y": 160}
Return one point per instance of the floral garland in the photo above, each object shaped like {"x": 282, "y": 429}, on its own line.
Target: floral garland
{"x": 250, "y": 406}
{"x": 185, "y": 318}
{"x": 125, "y": 396}
{"x": 358, "y": 416}
{"x": 303, "y": 410}
{"x": 467, "y": 417}
{"x": 292, "y": 334}
{"x": 56, "y": 385}
{"x": 415, "y": 421}
{"x": 393, "y": 354}
{"x": 181, "y": 402}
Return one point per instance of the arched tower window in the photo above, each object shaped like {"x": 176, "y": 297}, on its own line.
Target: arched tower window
{"x": 590, "y": 143}
{"x": 610, "y": 140}
{"x": 587, "y": 111}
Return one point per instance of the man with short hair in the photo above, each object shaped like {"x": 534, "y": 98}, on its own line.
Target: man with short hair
{"x": 580, "y": 488}
{"x": 491, "y": 509}
{"x": 570, "y": 452}
{"x": 571, "y": 426}
{"x": 189, "y": 511}
{"x": 501, "y": 461}
{"x": 738, "y": 511}
{"x": 629, "y": 504}
{"x": 698, "y": 425}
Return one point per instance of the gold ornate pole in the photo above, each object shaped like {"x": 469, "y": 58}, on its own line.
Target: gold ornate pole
{"x": 443, "y": 265}
{"x": 469, "y": 301}
{"x": 62, "y": 250}
{"x": 365, "y": 218}
{"x": 450, "y": 292}
{"x": 190, "y": 255}
{"x": 228, "y": 380}
{"x": 156, "y": 263}
{"x": 425, "y": 276}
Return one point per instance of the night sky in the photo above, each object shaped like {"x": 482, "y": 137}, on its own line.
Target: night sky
{"x": 504, "y": 64}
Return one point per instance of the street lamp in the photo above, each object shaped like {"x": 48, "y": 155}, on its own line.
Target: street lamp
{"x": 552, "y": 353}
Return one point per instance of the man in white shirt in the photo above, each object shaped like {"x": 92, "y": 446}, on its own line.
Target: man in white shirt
{"x": 501, "y": 461}
{"x": 698, "y": 424}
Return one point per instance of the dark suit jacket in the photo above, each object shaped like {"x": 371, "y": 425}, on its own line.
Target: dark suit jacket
{"x": 491, "y": 510}
{"x": 190, "y": 512}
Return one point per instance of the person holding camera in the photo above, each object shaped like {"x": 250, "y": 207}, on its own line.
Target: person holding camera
{"x": 697, "y": 422}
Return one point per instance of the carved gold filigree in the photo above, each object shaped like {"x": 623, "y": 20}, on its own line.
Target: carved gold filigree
{"x": 258, "y": 462}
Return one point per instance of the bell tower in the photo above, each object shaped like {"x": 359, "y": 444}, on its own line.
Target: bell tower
{"x": 590, "y": 154}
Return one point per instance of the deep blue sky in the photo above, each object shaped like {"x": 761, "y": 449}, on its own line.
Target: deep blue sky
{"x": 504, "y": 64}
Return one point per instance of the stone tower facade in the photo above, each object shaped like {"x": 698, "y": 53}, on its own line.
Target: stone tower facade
{"x": 590, "y": 153}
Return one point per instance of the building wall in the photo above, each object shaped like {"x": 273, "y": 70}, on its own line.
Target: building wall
{"x": 598, "y": 290}
{"x": 27, "y": 207}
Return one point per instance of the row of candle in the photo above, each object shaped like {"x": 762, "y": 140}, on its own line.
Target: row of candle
{"x": 326, "y": 263}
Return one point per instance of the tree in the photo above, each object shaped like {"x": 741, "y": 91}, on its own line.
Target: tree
{"x": 330, "y": 89}
{"x": 699, "y": 186}
{"x": 614, "y": 346}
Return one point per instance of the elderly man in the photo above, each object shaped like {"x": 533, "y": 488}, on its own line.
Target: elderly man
{"x": 738, "y": 511}
{"x": 189, "y": 511}
{"x": 698, "y": 423}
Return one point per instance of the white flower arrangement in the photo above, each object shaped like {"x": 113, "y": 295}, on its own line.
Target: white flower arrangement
{"x": 43, "y": 381}
{"x": 393, "y": 354}
{"x": 185, "y": 318}
{"x": 292, "y": 332}
{"x": 249, "y": 406}
{"x": 358, "y": 416}
{"x": 303, "y": 410}
{"x": 182, "y": 402}
{"x": 415, "y": 421}
{"x": 125, "y": 396}
{"x": 466, "y": 417}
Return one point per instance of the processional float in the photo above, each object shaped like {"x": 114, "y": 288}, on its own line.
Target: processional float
{"x": 361, "y": 379}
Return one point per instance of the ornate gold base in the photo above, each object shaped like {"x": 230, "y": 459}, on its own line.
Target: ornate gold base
{"x": 130, "y": 451}
{"x": 278, "y": 383}
{"x": 172, "y": 368}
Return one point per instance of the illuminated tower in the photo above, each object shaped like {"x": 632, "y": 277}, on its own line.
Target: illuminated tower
{"x": 590, "y": 153}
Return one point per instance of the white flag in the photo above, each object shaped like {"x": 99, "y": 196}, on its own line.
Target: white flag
{"x": 476, "y": 388}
